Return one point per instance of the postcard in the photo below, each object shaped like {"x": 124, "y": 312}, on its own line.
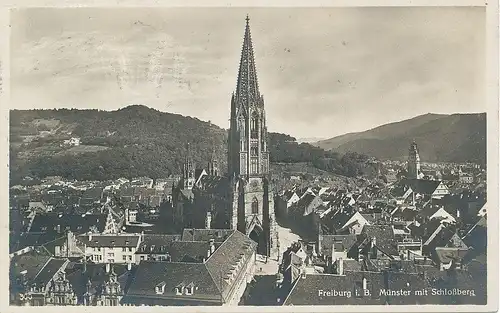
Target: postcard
{"x": 319, "y": 158}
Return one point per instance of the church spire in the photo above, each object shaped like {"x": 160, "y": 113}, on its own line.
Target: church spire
{"x": 247, "y": 87}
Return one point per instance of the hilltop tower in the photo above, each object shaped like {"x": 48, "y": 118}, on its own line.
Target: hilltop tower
{"x": 413, "y": 166}
{"x": 248, "y": 156}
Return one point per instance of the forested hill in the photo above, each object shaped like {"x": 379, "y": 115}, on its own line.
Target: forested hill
{"x": 445, "y": 138}
{"x": 136, "y": 141}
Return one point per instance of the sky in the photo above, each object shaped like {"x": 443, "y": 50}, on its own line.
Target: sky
{"x": 323, "y": 71}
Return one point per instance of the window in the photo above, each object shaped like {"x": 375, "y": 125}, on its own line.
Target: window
{"x": 160, "y": 288}
{"x": 130, "y": 258}
{"x": 124, "y": 258}
{"x": 124, "y": 249}
{"x": 255, "y": 206}
{"x": 111, "y": 254}
{"x": 189, "y": 289}
{"x": 254, "y": 151}
{"x": 129, "y": 249}
{"x": 178, "y": 290}
{"x": 254, "y": 126}
{"x": 142, "y": 257}
{"x": 111, "y": 261}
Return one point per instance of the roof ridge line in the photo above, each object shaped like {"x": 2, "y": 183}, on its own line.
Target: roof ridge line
{"x": 44, "y": 265}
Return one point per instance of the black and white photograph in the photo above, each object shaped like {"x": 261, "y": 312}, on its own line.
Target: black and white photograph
{"x": 250, "y": 156}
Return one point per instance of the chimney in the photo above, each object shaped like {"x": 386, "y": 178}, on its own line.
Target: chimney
{"x": 365, "y": 283}
{"x": 208, "y": 253}
{"x": 108, "y": 267}
{"x": 212, "y": 246}
{"x": 90, "y": 237}
{"x": 333, "y": 253}
{"x": 374, "y": 242}
{"x": 208, "y": 220}
{"x": 320, "y": 237}
{"x": 340, "y": 266}
{"x": 129, "y": 266}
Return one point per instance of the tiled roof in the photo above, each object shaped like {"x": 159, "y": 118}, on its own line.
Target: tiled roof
{"x": 384, "y": 234}
{"x": 110, "y": 240}
{"x": 196, "y": 234}
{"x": 307, "y": 290}
{"x": 31, "y": 262}
{"x": 335, "y": 220}
{"x": 407, "y": 282}
{"x": 49, "y": 270}
{"x": 221, "y": 263}
{"x": 351, "y": 266}
{"x": 160, "y": 238}
{"x": 422, "y": 186}
{"x": 342, "y": 243}
{"x": 93, "y": 193}
{"x": 77, "y": 223}
{"x": 35, "y": 239}
{"x": 179, "y": 251}
{"x": 149, "y": 274}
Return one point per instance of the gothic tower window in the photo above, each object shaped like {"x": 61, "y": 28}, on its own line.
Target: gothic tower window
{"x": 254, "y": 126}
{"x": 255, "y": 206}
{"x": 254, "y": 151}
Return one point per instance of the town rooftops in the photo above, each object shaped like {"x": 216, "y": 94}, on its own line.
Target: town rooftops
{"x": 49, "y": 270}
{"x": 384, "y": 235}
{"x": 30, "y": 263}
{"x": 78, "y": 223}
{"x": 173, "y": 277}
{"x": 179, "y": 251}
{"x": 341, "y": 242}
{"x": 317, "y": 289}
{"x": 196, "y": 234}
{"x": 175, "y": 283}
{"x": 422, "y": 186}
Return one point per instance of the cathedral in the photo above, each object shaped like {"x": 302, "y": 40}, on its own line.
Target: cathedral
{"x": 242, "y": 198}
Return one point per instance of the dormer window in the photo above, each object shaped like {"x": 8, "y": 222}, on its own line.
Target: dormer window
{"x": 190, "y": 289}
{"x": 179, "y": 289}
{"x": 160, "y": 288}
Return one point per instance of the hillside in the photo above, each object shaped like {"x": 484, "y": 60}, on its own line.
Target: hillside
{"x": 136, "y": 141}
{"x": 446, "y": 138}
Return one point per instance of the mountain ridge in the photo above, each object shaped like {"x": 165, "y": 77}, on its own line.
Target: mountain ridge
{"x": 440, "y": 137}
{"x": 138, "y": 141}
